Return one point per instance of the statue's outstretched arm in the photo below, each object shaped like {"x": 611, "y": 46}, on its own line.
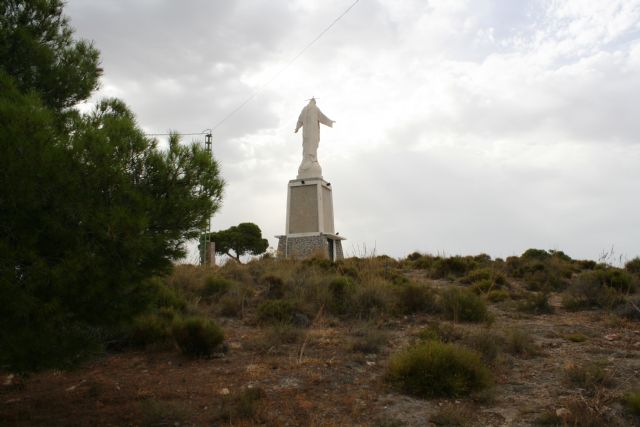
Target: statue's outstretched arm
{"x": 325, "y": 120}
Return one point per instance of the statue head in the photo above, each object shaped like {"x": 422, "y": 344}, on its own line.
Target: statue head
{"x": 312, "y": 101}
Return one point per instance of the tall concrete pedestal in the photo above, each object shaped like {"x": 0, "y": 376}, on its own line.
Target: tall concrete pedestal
{"x": 309, "y": 228}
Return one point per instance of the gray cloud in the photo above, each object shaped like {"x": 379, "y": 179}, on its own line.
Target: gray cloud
{"x": 462, "y": 126}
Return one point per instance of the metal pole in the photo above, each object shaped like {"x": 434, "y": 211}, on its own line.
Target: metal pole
{"x": 205, "y": 238}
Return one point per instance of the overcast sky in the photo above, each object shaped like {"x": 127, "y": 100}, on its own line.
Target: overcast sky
{"x": 461, "y": 126}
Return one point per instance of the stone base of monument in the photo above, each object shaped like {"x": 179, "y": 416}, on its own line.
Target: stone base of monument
{"x": 320, "y": 245}
{"x": 310, "y": 230}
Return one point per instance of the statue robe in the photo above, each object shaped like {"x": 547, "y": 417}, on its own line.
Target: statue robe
{"x": 310, "y": 119}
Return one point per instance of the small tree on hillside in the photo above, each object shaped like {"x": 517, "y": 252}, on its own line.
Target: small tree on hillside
{"x": 242, "y": 239}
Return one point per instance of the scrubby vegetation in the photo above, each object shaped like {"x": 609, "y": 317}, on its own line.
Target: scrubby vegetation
{"x": 432, "y": 328}
{"x": 196, "y": 336}
{"x": 433, "y": 369}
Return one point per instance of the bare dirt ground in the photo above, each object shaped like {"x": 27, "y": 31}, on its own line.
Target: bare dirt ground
{"x": 321, "y": 382}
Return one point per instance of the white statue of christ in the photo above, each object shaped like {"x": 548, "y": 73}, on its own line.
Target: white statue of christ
{"x": 310, "y": 119}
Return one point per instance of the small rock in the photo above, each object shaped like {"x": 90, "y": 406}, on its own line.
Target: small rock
{"x": 9, "y": 379}
{"x": 611, "y": 337}
{"x": 235, "y": 345}
{"x": 371, "y": 363}
{"x": 563, "y": 413}
{"x": 225, "y": 391}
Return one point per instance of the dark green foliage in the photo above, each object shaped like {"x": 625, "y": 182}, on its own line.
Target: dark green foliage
{"x": 444, "y": 332}
{"x": 462, "y": 305}
{"x": 536, "y": 254}
{"x": 435, "y": 369}
{"x": 372, "y": 300}
{"x": 633, "y": 266}
{"x": 275, "y": 286}
{"x": 414, "y": 256}
{"x": 586, "y": 264}
{"x": 276, "y": 311}
{"x": 151, "y": 329}
{"x": 242, "y": 239}
{"x": 413, "y": 298}
{"x": 197, "y": 337}
{"x": 164, "y": 295}
{"x": 90, "y": 207}
{"x": 518, "y": 342}
{"x": 497, "y": 295}
{"x": 589, "y": 290}
{"x": 616, "y": 278}
{"x": 38, "y": 50}
{"x": 455, "y": 266}
{"x": 320, "y": 262}
{"x": 541, "y": 270}
{"x": 632, "y": 402}
{"x": 535, "y": 303}
{"x": 341, "y": 291}
{"x": 487, "y": 344}
{"x": 494, "y": 277}
{"x": 215, "y": 287}
{"x": 424, "y": 262}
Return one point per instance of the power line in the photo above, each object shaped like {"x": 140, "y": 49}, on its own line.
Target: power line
{"x": 175, "y": 133}
{"x": 268, "y": 82}
{"x": 284, "y": 68}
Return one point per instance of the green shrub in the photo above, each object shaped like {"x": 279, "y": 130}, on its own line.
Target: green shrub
{"x": 536, "y": 254}
{"x": 372, "y": 299}
{"x": 494, "y": 278}
{"x": 444, "y": 332}
{"x": 341, "y": 290}
{"x": 586, "y": 264}
{"x": 520, "y": 343}
{"x": 632, "y": 402}
{"x": 276, "y": 311}
{"x": 165, "y": 295}
{"x": 435, "y": 369}
{"x": 414, "y": 256}
{"x": 424, "y": 262}
{"x": 576, "y": 337}
{"x": 233, "y": 302}
{"x": 541, "y": 270}
{"x": 589, "y": 291}
{"x": 617, "y": 279}
{"x": 215, "y": 287}
{"x": 150, "y": 329}
{"x": 486, "y": 343}
{"x": 535, "y": 303}
{"x": 455, "y": 266}
{"x": 633, "y": 266}
{"x": 196, "y": 336}
{"x": 498, "y": 295}
{"x": 413, "y": 298}
{"x": 462, "y": 305}
{"x": 275, "y": 286}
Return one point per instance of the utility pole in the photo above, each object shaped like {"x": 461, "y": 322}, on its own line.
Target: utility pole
{"x": 207, "y": 248}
